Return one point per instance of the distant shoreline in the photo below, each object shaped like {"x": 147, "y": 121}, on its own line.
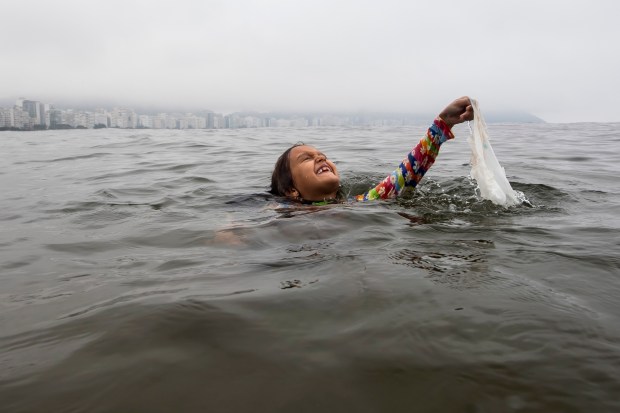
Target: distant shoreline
{"x": 29, "y": 115}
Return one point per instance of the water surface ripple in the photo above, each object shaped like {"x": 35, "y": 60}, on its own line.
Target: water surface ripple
{"x": 150, "y": 271}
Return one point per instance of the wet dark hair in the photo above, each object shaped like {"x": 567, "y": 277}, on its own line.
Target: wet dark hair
{"x": 282, "y": 178}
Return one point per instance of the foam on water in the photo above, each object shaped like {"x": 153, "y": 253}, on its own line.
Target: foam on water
{"x": 485, "y": 167}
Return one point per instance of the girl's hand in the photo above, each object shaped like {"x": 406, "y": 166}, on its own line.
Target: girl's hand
{"x": 457, "y": 112}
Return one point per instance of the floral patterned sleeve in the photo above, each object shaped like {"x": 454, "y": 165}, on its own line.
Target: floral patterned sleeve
{"x": 414, "y": 166}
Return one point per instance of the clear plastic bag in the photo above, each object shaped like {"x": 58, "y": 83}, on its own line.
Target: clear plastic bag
{"x": 485, "y": 168}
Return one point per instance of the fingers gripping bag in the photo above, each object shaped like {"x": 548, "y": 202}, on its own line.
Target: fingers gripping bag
{"x": 485, "y": 168}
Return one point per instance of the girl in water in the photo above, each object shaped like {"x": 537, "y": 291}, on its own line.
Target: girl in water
{"x": 304, "y": 174}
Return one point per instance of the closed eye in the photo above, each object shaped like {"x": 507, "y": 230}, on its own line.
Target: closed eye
{"x": 306, "y": 156}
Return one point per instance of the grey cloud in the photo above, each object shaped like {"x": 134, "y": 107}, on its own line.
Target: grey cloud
{"x": 550, "y": 58}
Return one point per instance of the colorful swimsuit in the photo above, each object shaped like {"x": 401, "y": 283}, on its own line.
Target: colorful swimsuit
{"x": 414, "y": 166}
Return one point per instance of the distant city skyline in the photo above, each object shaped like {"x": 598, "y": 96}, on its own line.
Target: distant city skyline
{"x": 155, "y": 108}
{"x": 28, "y": 114}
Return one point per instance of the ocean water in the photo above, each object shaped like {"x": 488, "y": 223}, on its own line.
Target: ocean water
{"x": 149, "y": 271}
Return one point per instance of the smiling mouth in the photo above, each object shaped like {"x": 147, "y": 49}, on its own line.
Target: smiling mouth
{"x": 324, "y": 168}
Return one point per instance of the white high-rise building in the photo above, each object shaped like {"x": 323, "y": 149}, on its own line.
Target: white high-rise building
{"x": 159, "y": 122}
{"x": 145, "y": 121}
{"x": 218, "y": 121}
{"x": 84, "y": 120}
{"x": 37, "y": 111}
{"x": 68, "y": 118}
{"x": 55, "y": 117}
{"x": 101, "y": 118}
{"x": 123, "y": 118}
{"x": 7, "y": 118}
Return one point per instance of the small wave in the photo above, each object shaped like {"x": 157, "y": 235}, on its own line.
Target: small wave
{"x": 85, "y": 247}
{"x": 128, "y": 142}
{"x": 181, "y": 167}
{"x": 25, "y": 261}
{"x": 67, "y": 158}
{"x": 86, "y": 206}
{"x": 577, "y": 158}
{"x": 176, "y": 238}
{"x": 197, "y": 145}
{"x": 250, "y": 200}
{"x": 9, "y": 217}
{"x": 542, "y": 196}
{"x": 124, "y": 299}
{"x": 115, "y": 175}
{"x": 177, "y": 264}
{"x": 192, "y": 179}
{"x": 540, "y": 189}
{"x": 116, "y": 193}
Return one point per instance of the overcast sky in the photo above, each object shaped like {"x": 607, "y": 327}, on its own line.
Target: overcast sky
{"x": 559, "y": 60}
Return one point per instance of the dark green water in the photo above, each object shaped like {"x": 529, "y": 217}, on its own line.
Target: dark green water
{"x": 149, "y": 272}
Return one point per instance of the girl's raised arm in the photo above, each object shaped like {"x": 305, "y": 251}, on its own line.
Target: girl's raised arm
{"x": 423, "y": 155}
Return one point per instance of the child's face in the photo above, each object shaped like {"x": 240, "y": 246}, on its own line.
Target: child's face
{"x": 314, "y": 177}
